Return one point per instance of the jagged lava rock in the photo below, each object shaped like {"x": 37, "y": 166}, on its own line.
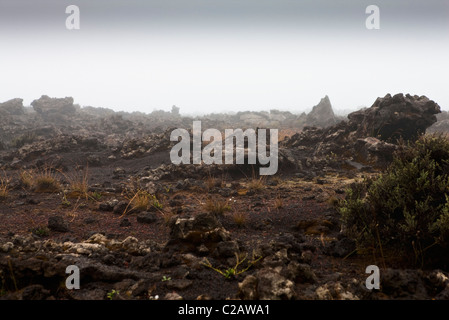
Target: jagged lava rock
{"x": 322, "y": 115}
{"x": 12, "y": 107}
{"x": 46, "y": 105}
{"x": 392, "y": 117}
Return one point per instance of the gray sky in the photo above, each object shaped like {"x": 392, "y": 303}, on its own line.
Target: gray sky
{"x": 223, "y": 55}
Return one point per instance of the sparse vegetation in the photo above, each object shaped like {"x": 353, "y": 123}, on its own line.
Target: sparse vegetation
{"x": 78, "y": 184}
{"x": 217, "y": 206}
{"x": 211, "y": 183}
{"x": 167, "y": 216}
{"x": 278, "y": 203}
{"x": 290, "y": 218}
{"x": 234, "y": 271}
{"x": 4, "y": 186}
{"x": 41, "y": 231}
{"x": 65, "y": 202}
{"x": 95, "y": 195}
{"x": 257, "y": 184}
{"x": 333, "y": 201}
{"x": 155, "y": 202}
{"x": 43, "y": 180}
{"x": 406, "y": 209}
{"x": 112, "y": 294}
{"x": 240, "y": 218}
{"x": 140, "y": 201}
{"x": 26, "y": 178}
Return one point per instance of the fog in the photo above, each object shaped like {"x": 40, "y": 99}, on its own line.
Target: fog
{"x": 223, "y": 56}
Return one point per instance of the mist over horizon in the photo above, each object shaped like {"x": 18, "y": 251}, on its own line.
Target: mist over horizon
{"x": 226, "y": 56}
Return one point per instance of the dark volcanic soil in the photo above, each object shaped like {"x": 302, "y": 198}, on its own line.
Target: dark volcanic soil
{"x": 256, "y": 215}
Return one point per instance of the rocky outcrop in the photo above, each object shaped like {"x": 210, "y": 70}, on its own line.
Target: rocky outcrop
{"x": 47, "y": 106}
{"x": 12, "y": 107}
{"x": 322, "y": 115}
{"x": 200, "y": 233}
{"x": 442, "y": 124}
{"x": 394, "y": 117}
{"x": 369, "y": 135}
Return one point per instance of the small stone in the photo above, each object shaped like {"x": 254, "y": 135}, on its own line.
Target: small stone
{"x": 125, "y": 223}
{"x": 340, "y": 248}
{"x": 202, "y": 250}
{"x": 147, "y": 217}
{"x": 90, "y": 220}
{"x": 120, "y": 207}
{"x": 306, "y": 198}
{"x": 108, "y": 205}
{"x": 248, "y": 288}
{"x": 57, "y": 223}
{"x": 179, "y": 284}
{"x": 173, "y": 296}
{"x": 35, "y": 292}
{"x": 227, "y": 249}
{"x": 8, "y": 246}
{"x": 94, "y": 160}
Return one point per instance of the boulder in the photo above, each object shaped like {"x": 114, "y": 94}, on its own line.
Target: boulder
{"x": 203, "y": 229}
{"x": 393, "y": 117}
{"x": 403, "y": 284}
{"x": 442, "y": 124}
{"x": 335, "y": 291}
{"x": 273, "y": 286}
{"x": 147, "y": 217}
{"x": 248, "y": 288}
{"x": 266, "y": 284}
{"x": 373, "y": 150}
{"x": 57, "y": 223}
{"x": 369, "y": 136}
{"x": 48, "y": 106}
{"x": 12, "y": 107}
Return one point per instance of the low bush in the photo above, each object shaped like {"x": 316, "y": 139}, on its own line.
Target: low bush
{"x": 405, "y": 210}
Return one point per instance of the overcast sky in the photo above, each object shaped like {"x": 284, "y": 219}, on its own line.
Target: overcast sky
{"x": 223, "y": 55}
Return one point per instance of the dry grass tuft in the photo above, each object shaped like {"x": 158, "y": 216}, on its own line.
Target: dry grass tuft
{"x": 45, "y": 181}
{"x": 257, "y": 184}
{"x": 211, "y": 183}
{"x": 278, "y": 203}
{"x": 26, "y": 177}
{"x": 4, "y": 186}
{"x": 240, "y": 218}
{"x": 140, "y": 201}
{"x": 42, "y": 180}
{"x": 78, "y": 184}
{"x": 217, "y": 206}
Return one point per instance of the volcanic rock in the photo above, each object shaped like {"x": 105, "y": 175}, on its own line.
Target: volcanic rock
{"x": 390, "y": 118}
{"x": 47, "y": 106}
{"x": 12, "y": 107}
{"x": 57, "y": 223}
{"x": 203, "y": 229}
{"x": 322, "y": 114}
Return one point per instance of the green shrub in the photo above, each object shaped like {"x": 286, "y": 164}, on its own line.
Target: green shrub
{"x": 405, "y": 209}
